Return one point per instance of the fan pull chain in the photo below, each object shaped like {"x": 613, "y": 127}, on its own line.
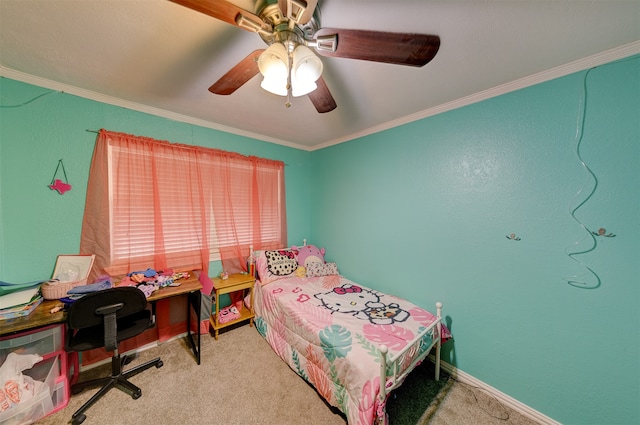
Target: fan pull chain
{"x": 288, "y": 102}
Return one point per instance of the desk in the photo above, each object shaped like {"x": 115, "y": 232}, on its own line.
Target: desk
{"x": 38, "y": 318}
{"x": 191, "y": 287}
{"x": 42, "y": 315}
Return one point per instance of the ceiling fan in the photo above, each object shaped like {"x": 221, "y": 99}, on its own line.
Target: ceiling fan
{"x": 290, "y": 28}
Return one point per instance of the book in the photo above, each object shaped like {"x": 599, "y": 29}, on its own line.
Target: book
{"x": 22, "y": 309}
{"x": 8, "y": 288}
{"x": 18, "y": 298}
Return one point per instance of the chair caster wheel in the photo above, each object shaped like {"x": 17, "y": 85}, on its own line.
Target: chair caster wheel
{"x": 159, "y": 364}
{"x": 79, "y": 419}
{"x": 136, "y": 395}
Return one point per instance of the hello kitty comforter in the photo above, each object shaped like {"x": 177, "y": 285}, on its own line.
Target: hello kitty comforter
{"x": 328, "y": 329}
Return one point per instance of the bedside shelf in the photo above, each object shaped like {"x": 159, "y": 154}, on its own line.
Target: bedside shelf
{"x": 235, "y": 283}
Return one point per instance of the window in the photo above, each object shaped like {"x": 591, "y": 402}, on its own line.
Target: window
{"x": 172, "y": 205}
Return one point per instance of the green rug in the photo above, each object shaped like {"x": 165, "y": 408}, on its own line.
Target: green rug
{"x": 408, "y": 404}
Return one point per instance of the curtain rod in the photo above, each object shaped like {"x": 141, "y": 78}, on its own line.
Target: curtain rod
{"x": 97, "y": 132}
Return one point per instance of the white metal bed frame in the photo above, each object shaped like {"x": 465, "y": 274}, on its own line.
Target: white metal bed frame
{"x": 401, "y": 357}
{"x": 395, "y": 362}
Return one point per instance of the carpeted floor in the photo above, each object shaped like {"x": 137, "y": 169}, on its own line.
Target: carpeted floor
{"x": 242, "y": 381}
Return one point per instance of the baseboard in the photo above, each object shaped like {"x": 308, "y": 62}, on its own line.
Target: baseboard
{"x": 503, "y": 398}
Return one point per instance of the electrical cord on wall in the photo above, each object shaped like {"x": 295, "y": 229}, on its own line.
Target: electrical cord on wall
{"x": 501, "y": 412}
{"x": 28, "y": 101}
{"x": 578, "y": 281}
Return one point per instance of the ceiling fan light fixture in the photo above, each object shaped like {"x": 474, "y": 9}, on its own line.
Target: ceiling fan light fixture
{"x": 300, "y": 89}
{"x": 273, "y": 65}
{"x": 275, "y": 85}
{"x": 306, "y": 69}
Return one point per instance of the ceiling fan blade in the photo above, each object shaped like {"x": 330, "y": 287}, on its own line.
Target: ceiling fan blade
{"x": 282, "y": 5}
{"x": 321, "y": 97}
{"x": 237, "y": 76}
{"x": 308, "y": 13}
{"x": 388, "y": 47}
{"x": 226, "y": 12}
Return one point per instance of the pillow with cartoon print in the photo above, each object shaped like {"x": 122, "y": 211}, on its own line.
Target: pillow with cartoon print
{"x": 321, "y": 269}
{"x": 276, "y": 264}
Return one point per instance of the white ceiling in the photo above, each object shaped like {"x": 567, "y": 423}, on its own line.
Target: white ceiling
{"x": 160, "y": 57}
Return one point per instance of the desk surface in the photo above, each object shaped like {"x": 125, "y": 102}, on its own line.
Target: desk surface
{"x": 42, "y": 315}
{"x": 186, "y": 285}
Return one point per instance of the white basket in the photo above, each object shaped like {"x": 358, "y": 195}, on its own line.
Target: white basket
{"x": 54, "y": 290}
{"x": 81, "y": 264}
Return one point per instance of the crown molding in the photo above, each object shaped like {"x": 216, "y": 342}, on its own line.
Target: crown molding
{"x": 602, "y": 58}
{"x": 110, "y": 100}
{"x": 607, "y": 56}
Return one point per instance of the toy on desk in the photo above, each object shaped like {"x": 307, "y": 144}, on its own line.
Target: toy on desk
{"x": 56, "y": 309}
{"x": 150, "y": 280}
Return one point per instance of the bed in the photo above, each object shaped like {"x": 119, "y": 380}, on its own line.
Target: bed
{"x": 353, "y": 344}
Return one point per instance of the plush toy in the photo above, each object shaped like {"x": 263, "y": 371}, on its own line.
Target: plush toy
{"x": 301, "y": 271}
{"x": 309, "y": 254}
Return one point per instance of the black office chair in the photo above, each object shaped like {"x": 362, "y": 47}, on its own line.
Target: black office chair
{"x": 103, "y": 319}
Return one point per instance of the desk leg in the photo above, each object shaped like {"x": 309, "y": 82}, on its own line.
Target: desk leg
{"x": 194, "y": 301}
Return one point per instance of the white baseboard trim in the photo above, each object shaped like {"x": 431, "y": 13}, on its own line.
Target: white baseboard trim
{"x": 503, "y": 398}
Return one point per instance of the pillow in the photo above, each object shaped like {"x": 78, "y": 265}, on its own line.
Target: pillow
{"x": 309, "y": 254}
{"x": 276, "y": 264}
{"x": 320, "y": 269}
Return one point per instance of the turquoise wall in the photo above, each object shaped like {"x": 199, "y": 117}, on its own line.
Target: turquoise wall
{"x": 37, "y": 224}
{"x": 423, "y": 211}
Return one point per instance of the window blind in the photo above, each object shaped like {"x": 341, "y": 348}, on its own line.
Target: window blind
{"x": 163, "y": 190}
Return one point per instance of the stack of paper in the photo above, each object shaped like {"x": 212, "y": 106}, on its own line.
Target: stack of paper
{"x": 18, "y": 299}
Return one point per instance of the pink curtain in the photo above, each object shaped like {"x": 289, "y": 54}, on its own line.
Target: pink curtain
{"x": 137, "y": 185}
{"x": 150, "y": 182}
{"x": 248, "y": 191}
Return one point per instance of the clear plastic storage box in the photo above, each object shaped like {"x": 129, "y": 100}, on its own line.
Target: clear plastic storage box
{"x": 52, "y": 371}
{"x": 40, "y": 342}
{"x": 42, "y": 403}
